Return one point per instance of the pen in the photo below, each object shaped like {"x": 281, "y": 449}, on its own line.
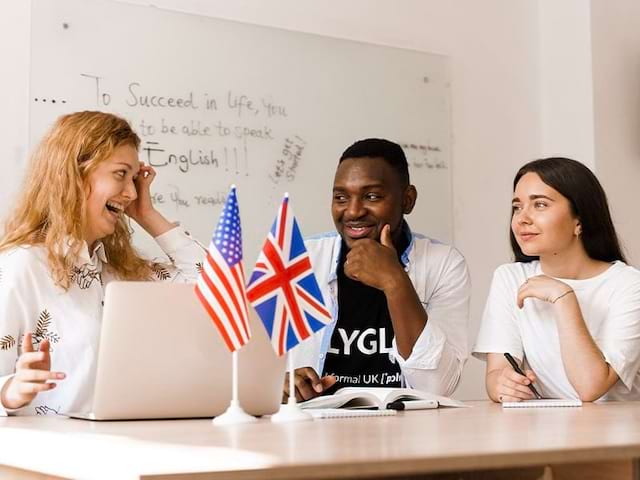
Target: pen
{"x": 518, "y": 370}
{"x": 412, "y": 405}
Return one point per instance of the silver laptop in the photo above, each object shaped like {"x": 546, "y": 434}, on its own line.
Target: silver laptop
{"x": 162, "y": 357}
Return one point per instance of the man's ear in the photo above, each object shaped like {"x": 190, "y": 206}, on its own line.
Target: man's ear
{"x": 409, "y": 199}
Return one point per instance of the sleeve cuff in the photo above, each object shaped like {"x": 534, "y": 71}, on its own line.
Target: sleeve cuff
{"x": 173, "y": 240}
{"x": 427, "y": 350}
{"x": 622, "y": 368}
{"x": 480, "y": 351}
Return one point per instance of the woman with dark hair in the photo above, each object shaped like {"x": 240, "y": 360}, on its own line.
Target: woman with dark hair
{"x": 568, "y": 309}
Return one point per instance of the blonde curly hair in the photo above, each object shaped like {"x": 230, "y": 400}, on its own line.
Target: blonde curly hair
{"x": 51, "y": 208}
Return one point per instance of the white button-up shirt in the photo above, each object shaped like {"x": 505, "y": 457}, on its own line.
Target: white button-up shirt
{"x": 30, "y": 301}
{"x": 440, "y": 277}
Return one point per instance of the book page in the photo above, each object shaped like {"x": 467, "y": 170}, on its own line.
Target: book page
{"x": 359, "y": 397}
{"x": 413, "y": 394}
{"x": 344, "y": 399}
{"x": 388, "y": 395}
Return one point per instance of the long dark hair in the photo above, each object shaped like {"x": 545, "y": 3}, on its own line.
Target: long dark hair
{"x": 588, "y": 203}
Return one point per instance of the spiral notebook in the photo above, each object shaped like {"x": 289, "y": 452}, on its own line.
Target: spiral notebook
{"x": 544, "y": 402}
{"x": 347, "y": 413}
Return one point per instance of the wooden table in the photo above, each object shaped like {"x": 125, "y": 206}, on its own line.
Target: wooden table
{"x": 596, "y": 440}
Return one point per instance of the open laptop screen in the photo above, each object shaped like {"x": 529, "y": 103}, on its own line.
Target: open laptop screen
{"x": 161, "y": 357}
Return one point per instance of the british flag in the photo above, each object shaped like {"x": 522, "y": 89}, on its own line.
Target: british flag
{"x": 283, "y": 288}
{"x": 220, "y": 285}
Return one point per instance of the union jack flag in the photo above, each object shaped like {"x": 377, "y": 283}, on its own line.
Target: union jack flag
{"x": 220, "y": 286}
{"x": 283, "y": 288}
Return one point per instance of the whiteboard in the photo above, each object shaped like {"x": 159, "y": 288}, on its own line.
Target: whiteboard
{"x": 217, "y": 102}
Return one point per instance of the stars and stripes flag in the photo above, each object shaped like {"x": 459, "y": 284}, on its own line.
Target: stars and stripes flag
{"x": 221, "y": 285}
{"x": 283, "y": 288}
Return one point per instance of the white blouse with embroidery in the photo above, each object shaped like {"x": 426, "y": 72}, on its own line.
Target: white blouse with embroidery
{"x": 31, "y": 302}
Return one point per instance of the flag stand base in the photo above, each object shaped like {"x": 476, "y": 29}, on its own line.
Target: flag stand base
{"x": 290, "y": 412}
{"x": 234, "y": 415}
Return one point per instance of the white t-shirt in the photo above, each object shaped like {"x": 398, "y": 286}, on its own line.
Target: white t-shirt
{"x": 610, "y": 304}
{"x": 70, "y": 320}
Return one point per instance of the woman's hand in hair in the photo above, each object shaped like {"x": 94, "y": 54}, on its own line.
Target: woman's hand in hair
{"x": 543, "y": 288}
{"x": 142, "y": 209}
{"x": 33, "y": 371}
{"x": 142, "y": 206}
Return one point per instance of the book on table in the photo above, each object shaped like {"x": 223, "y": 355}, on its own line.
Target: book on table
{"x": 378, "y": 398}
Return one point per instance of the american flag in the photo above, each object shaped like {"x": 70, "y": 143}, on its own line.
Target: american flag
{"x": 283, "y": 288}
{"x": 220, "y": 286}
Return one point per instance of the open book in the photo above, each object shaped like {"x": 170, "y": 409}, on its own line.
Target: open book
{"x": 359, "y": 397}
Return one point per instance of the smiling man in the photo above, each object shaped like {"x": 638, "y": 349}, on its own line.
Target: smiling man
{"x": 400, "y": 300}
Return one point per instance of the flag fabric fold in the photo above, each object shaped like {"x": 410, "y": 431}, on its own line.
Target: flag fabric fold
{"x": 221, "y": 283}
{"x": 283, "y": 288}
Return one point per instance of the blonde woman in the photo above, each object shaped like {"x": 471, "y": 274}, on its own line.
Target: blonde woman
{"x": 66, "y": 239}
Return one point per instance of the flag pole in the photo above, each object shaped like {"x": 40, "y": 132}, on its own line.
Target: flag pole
{"x": 226, "y": 248}
{"x": 292, "y": 381}
{"x": 234, "y": 414}
{"x": 284, "y": 266}
{"x": 291, "y": 411}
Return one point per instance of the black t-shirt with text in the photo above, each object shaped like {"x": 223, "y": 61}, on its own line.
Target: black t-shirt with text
{"x": 361, "y": 342}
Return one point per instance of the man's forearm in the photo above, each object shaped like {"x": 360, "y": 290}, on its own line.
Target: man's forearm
{"x": 407, "y": 314}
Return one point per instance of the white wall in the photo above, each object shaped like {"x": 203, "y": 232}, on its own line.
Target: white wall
{"x": 616, "y": 79}
{"x": 566, "y": 86}
{"x": 14, "y": 92}
{"x": 495, "y": 53}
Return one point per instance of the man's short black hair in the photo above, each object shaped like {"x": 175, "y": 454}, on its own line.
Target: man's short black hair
{"x": 391, "y": 152}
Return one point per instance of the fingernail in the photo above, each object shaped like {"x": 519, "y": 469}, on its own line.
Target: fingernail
{"x": 61, "y": 375}
{"x": 52, "y": 386}
{"x": 318, "y": 387}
